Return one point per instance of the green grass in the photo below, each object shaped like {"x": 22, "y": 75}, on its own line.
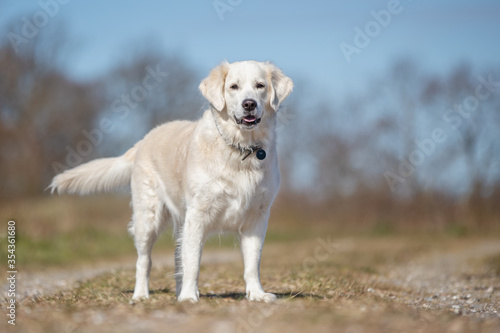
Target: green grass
{"x": 56, "y": 231}
{"x": 60, "y": 231}
{"x": 79, "y": 245}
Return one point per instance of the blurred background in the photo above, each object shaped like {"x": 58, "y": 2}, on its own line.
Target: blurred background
{"x": 394, "y": 122}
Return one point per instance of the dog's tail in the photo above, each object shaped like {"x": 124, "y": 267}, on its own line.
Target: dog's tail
{"x": 101, "y": 175}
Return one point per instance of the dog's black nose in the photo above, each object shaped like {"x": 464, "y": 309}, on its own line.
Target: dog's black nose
{"x": 249, "y": 104}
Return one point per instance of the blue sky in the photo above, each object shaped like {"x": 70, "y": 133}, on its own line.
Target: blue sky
{"x": 301, "y": 37}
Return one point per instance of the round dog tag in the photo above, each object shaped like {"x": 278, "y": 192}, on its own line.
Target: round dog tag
{"x": 261, "y": 154}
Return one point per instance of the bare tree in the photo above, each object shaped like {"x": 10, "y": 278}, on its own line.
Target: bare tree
{"x": 39, "y": 110}
{"x": 147, "y": 90}
{"x": 436, "y": 136}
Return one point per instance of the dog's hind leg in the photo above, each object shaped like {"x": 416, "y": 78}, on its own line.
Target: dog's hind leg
{"x": 145, "y": 227}
{"x": 178, "y": 260}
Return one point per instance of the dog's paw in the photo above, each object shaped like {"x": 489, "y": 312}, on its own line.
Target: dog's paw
{"x": 139, "y": 297}
{"x": 188, "y": 297}
{"x": 192, "y": 299}
{"x": 261, "y": 297}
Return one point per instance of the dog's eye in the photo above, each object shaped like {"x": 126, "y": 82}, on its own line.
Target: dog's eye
{"x": 259, "y": 85}
{"x": 233, "y": 87}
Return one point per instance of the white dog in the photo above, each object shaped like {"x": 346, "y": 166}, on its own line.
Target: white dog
{"x": 219, "y": 173}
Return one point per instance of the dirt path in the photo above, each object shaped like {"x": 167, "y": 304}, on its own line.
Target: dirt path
{"x": 441, "y": 288}
{"x": 453, "y": 280}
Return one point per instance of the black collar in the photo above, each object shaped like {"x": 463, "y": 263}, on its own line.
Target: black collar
{"x": 249, "y": 150}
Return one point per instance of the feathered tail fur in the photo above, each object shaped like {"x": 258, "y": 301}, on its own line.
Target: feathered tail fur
{"x": 101, "y": 175}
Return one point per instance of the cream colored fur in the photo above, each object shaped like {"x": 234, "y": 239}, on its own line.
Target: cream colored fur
{"x": 191, "y": 174}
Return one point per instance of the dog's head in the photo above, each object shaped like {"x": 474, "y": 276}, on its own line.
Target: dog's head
{"x": 246, "y": 90}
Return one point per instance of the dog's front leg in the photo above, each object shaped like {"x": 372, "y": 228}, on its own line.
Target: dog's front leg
{"x": 191, "y": 248}
{"x": 251, "y": 247}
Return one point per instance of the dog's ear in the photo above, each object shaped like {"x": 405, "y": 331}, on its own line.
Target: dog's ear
{"x": 212, "y": 87}
{"x": 281, "y": 86}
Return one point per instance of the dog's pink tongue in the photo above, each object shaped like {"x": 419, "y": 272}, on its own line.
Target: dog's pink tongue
{"x": 250, "y": 118}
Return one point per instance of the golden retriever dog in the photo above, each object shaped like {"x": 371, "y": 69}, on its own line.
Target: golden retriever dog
{"x": 217, "y": 174}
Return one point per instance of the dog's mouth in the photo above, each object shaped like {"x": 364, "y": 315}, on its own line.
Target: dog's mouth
{"x": 248, "y": 121}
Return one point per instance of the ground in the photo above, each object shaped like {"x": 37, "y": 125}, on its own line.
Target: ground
{"x": 345, "y": 282}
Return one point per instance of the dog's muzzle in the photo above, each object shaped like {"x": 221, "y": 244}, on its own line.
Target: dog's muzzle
{"x": 248, "y": 120}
